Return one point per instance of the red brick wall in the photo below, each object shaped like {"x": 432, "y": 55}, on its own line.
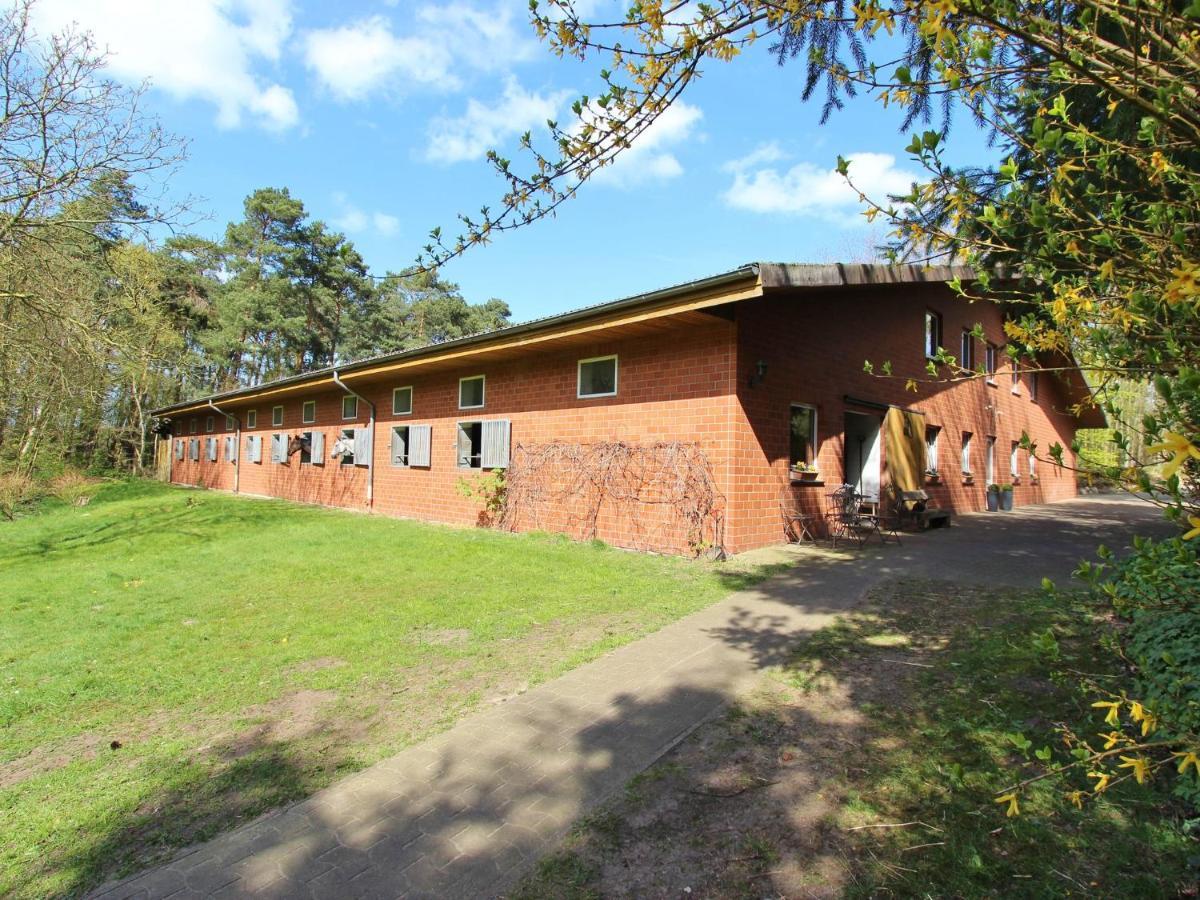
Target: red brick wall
{"x": 671, "y": 388}
{"x": 815, "y": 345}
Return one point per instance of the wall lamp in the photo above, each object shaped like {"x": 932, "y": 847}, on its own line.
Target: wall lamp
{"x": 759, "y": 374}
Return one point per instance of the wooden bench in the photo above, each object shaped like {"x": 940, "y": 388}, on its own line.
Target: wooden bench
{"x": 915, "y": 506}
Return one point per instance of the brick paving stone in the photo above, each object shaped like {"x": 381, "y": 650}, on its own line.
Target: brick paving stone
{"x": 467, "y": 812}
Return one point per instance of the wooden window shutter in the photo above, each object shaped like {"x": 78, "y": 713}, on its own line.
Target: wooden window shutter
{"x": 494, "y": 450}
{"x": 179, "y": 449}
{"x": 316, "y": 448}
{"x": 363, "y": 448}
{"x": 420, "y": 440}
{"x": 278, "y": 448}
{"x": 464, "y": 445}
{"x": 399, "y": 451}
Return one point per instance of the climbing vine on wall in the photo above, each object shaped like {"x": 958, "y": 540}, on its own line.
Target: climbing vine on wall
{"x": 659, "y": 496}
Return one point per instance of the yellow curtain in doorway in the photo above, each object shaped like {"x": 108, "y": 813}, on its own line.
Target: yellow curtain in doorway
{"x": 905, "y": 436}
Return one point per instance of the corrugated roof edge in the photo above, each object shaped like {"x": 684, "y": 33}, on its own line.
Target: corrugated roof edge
{"x": 742, "y": 272}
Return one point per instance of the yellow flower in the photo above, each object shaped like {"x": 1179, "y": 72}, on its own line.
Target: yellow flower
{"x": 1194, "y": 521}
{"x": 1185, "y": 285}
{"x": 1188, "y": 758}
{"x": 1180, "y": 448}
{"x": 1149, "y": 723}
{"x": 1111, "y": 738}
{"x": 1139, "y": 764}
{"x": 1102, "y": 784}
{"x": 1011, "y": 799}
{"x": 1076, "y": 797}
{"x": 1114, "y": 707}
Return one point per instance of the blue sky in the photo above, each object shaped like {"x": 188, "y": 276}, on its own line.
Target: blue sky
{"x": 377, "y": 115}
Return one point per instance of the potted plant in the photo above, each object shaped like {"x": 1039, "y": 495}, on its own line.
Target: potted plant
{"x": 993, "y": 497}
{"x": 968, "y": 478}
{"x": 932, "y": 476}
{"x": 803, "y": 471}
{"x": 1006, "y": 497}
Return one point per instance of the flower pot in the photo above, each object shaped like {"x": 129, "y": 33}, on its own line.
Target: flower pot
{"x": 993, "y": 501}
{"x": 1006, "y": 500}
{"x": 933, "y": 479}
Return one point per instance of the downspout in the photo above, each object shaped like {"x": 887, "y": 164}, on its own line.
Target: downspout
{"x": 237, "y": 453}
{"x": 371, "y": 425}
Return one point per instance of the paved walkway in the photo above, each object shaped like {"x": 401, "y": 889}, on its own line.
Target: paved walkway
{"x": 467, "y": 813}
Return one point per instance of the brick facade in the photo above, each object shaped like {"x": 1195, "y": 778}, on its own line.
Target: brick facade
{"x": 689, "y": 380}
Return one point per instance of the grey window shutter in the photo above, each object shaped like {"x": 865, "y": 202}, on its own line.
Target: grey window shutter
{"x": 398, "y": 448}
{"x": 255, "y": 448}
{"x": 464, "y": 446}
{"x": 233, "y": 449}
{"x": 316, "y": 449}
{"x": 276, "y": 446}
{"x": 362, "y": 446}
{"x": 495, "y": 444}
{"x": 212, "y": 452}
{"x": 419, "y": 442}
{"x": 193, "y": 449}
{"x": 179, "y": 449}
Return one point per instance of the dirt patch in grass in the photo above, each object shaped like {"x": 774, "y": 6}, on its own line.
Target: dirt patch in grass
{"x": 867, "y": 766}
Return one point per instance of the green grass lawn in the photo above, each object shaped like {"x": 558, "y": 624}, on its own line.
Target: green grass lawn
{"x": 175, "y": 661}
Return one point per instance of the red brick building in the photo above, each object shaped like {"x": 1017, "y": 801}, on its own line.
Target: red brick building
{"x": 664, "y": 421}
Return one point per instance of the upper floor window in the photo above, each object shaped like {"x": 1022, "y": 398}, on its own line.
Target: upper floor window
{"x": 1033, "y": 386}
{"x": 209, "y": 423}
{"x": 1016, "y": 377}
{"x": 989, "y": 362}
{"x": 349, "y": 407}
{"x": 933, "y": 333}
{"x": 192, "y": 426}
{"x": 252, "y": 418}
{"x": 277, "y": 416}
{"x": 803, "y": 435}
{"x": 470, "y": 392}
{"x": 931, "y": 447}
{"x": 308, "y": 412}
{"x": 402, "y": 401}
{"x": 598, "y": 377}
{"x": 967, "y": 355}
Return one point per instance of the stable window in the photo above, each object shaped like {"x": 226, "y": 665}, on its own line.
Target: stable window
{"x": 1014, "y": 460}
{"x": 277, "y": 416}
{"x": 989, "y": 362}
{"x": 192, "y": 426}
{"x": 209, "y": 424}
{"x": 483, "y": 445}
{"x": 210, "y": 449}
{"x": 803, "y": 434}
{"x": 179, "y": 449}
{"x": 279, "y": 444}
{"x": 411, "y": 445}
{"x": 231, "y": 448}
{"x": 254, "y": 448}
{"x": 194, "y": 449}
{"x": 312, "y": 448}
{"x": 251, "y": 418}
{"x": 1033, "y": 386}
{"x": 966, "y": 453}
{"x": 597, "y": 377}
{"x": 402, "y": 401}
{"x": 400, "y": 441}
{"x": 967, "y": 355}
{"x": 470, "y": 392}
{"x": 350, "y": 407}
{"x": 351, "y": 447}
{"x": 933, "y": 333}
{"x": 931, "y": 447}
{"x": 308, "y": 412}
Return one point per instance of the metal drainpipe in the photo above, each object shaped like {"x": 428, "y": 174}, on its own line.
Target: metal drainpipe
{"x": 371, "y": 425}
{"x": 237, "y": 462}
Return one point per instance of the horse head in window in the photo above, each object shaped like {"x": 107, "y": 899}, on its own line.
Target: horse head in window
{"x": 296, "y": 443}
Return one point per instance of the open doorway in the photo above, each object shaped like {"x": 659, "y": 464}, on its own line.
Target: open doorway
{"x": 863, "y": 459}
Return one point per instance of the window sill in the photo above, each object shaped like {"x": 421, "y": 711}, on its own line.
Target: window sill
{"x": 807, "y": 482}
{"x": 990, "y": 382}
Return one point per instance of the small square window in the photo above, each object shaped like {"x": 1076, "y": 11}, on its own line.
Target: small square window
{"x": 803, "y": 431}
{"x": 308, "y": 412}
{"x": 349, "y": 407}
{"x": 402, "y": 401}
{"x": 276, "y": 416}
{"x": 252, "y": 418}
{"x": 933, "y": 333}
{"x": 598, "y": 377}
{"x": 192, "y": 426}
{"x": 210, "y": 424}
{"x": 470, "y": 392}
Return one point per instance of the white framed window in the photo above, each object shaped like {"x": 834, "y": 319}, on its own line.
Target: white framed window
{"x": 192, "y": 426}
{"x": 931, "y": 447}
{"x": 252, "y": 418}
{"x": 349, "y": 407}
{"x": 966, "y": 453}
{"x": 210, "y": 424}
{"x": 597, "y": 377}
{"x": 1014, "y": 460}
{"x": 194, "y": 449}
{"x": 989, "y": 363}
{"x": 1032, "y": 466}
{"x": 230, "y": 423}
{"x": 967, "y": 350}
{"x": 276, "y": 416}
{"x": 802, "y": 430}
{"x": 483, "y": 445}
{"x": 308, "y": 412}
{"x": 1016, "y": 377}
{"x": 471, "y": 392}
{"x": 1033, "y": 386}
{"x": 402, "y": 401}
{"x": 933, "y": 333}
{"x": 990, "y": 461}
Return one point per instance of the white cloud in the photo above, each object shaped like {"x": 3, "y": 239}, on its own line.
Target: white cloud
{"x": 760, "y": 155}
{"x": 202, "y": 49}
{"x": 808, "y": 190}
{"x": 447, "y": 43}
{"x": 354, "y": 220}
{"x": 483, "y": 126}
{"x": 650, "y": 159}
